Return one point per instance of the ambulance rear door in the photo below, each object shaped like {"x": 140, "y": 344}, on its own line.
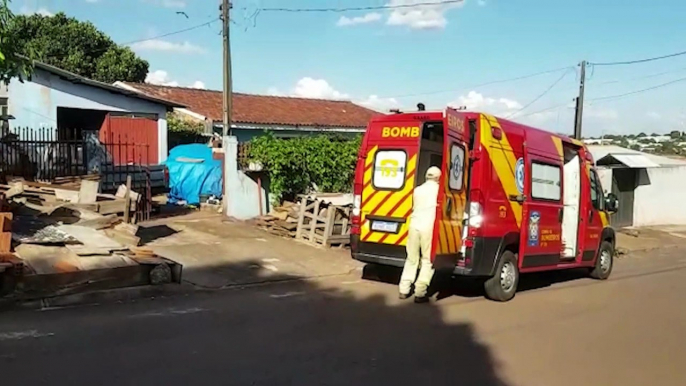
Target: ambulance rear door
{"x": 448, "y": 234}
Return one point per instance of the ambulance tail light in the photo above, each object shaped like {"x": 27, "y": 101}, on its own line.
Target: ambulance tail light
{"x": 475, "y": 215}
{"x": 357, "y": 210}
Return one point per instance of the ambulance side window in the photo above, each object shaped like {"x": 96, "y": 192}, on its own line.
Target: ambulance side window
{"x": 456, "y": 179}
{"x": 596, "y": 191}
{"x": 545, "y": 182}
{"x": 389, "y": 170}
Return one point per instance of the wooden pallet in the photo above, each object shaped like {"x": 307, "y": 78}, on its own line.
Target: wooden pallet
{"x": 323, "y": 224}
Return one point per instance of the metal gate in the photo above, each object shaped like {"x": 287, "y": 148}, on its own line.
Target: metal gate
{"x": 624, "y": 182}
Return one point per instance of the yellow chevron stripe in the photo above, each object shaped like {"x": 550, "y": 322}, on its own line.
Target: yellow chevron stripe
{"x": 558, "y": 145}
{"x": 503, "y": 160}
{"x": 370, "y": 156}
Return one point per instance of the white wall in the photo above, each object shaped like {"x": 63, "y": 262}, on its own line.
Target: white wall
{"x": 34, "y": 103}
{"x": 661, "y": 202}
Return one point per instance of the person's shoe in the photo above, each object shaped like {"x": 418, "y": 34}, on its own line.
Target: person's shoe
{"x": 403, "y": 296}
{"x": 421, "y": 299}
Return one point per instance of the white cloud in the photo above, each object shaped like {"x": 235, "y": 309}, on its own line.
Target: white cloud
{"x": 26, "y": 10}
{"x": 365, "y": 19}
{"x": 653, "y": 115}
{"x": 380, "y": 104}
{"x": 481, "y": 3}
{"x": 166, "y": 46}
{"x": 317, "y": 88}
{"x": 431, "y": 16}
{"x": 591, "y": 111}
{"x": 168, "y": 3}
{"x": 160, "y": 78}
{"x": 478, "y": 102}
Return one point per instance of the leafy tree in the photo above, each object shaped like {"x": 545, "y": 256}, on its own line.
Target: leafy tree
{"x": 12, "y": 65}
{"x": 183, "y": 131}
{"x": 641, "y": 135}
{"x": 76, "y": 46}
{"x": 675, "y": 134}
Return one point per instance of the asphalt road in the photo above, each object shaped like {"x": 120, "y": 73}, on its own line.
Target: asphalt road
{"x": 565, "y": 330}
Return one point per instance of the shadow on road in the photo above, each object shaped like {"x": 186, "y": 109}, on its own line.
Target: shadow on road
{"x": 445, "y": 285}
{"x": 291, "y": 333}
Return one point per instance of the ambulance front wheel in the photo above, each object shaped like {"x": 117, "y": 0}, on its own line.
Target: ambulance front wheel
{"x": 503, "y": 285}
{"x": 604, "y": 262}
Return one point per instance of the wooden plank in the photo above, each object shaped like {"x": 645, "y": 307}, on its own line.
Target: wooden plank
{"x": 127, "y": 200}
{"x": 109, "y": 207}
{"x": 121, "y": 193}
{"x": 123, "y": 237}
{"x": 67, "y": 195}
{"x": 101, "y": 222}
{"x": 91, "y": 237}
{"x": 88, "y": 193}
{"x": 88, "y": 250}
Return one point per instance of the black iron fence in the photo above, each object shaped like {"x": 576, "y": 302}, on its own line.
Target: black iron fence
{"x": 48, "y": 154}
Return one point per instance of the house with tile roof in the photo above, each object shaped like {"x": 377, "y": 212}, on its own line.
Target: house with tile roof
{"x": 255, "y": 114}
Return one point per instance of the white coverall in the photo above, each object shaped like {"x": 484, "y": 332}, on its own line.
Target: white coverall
{"x": 419, "y": 238}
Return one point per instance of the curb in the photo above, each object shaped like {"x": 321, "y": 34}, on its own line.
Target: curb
{"x": 130, "y": 294}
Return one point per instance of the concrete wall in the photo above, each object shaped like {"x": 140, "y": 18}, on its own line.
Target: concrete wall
{"x": 660, "y": 200}
{"x": 34, "y": 104}
{"x": 242, "y": 195}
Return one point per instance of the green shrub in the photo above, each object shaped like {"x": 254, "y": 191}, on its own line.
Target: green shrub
{"x": 295, "y": 165}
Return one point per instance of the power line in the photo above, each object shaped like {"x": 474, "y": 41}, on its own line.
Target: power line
{"x": 639, "y": 60}
{"x": 482, "y": 84}
{"x": 208, "y": 23}
{"x": 618, "y": 96}
{"x": 540, "y": 96}
{"x": 367, "y": 8}
{"x": 642, "y": 77}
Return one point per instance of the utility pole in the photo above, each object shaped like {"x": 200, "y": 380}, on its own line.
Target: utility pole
{"x": 578, "y": 118}
{"x": 225, "y": 8}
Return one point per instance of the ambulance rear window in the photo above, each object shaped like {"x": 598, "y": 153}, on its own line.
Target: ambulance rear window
{"x": 389, "y": 170}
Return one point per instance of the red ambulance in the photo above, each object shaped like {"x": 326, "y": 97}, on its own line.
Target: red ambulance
{"x": 513, "y": 199}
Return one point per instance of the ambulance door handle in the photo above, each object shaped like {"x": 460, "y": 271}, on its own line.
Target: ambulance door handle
{"x": 560, "y": 215}
{"x": 448, "y": 206}
{"x": 590, "y": 216}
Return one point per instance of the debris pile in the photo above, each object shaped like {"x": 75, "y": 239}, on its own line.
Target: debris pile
{"x": 320, "y": 220}
{"x": 282, "y": 220}
{"x": 65, "y": 228}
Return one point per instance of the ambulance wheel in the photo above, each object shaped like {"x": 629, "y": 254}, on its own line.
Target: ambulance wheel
{"x": 604, "y": 262}
{"x": 503, "y": 285}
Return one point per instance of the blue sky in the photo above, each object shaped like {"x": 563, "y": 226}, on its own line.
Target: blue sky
{"x": 437, "y": 55}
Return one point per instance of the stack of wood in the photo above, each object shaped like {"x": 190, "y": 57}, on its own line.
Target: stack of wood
{"x": 73, "y": 181}
{"x": 282, "y": 220}
{"x": 321, "y": 223}
{"x": 43, "y": 197}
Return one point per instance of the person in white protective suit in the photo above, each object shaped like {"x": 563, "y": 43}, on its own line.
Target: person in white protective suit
{"x": 419, "y": 240}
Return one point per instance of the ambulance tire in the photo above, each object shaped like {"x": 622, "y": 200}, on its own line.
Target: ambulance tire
{"x": 604, "y": 263}
{"x": 503, "y": 285}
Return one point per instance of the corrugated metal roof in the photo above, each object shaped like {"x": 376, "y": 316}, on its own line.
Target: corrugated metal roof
{"x": 74, "y": 78}
{"x": 601, "y": 151}
{"x": 635, "y": 160}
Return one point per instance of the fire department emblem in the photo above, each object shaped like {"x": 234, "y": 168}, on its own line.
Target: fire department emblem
{"x": 519, "y": 175}
{"x": 534, "y": 220}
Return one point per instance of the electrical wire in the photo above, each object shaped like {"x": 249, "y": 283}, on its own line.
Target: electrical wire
{"x": 208, "y": 23}
{"x": 641, "y": 77}
{"x": 367, "y": 8}
{"x": 540, "y": 96}
{"x": 639, "y": 60}
{"x": 618, "y": 96}
{"x": 482, "y": 84}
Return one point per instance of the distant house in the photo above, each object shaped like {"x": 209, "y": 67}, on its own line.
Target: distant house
{"x": 650, "y": 187}
{"x": 253, "y": 114}
{"x": 67, "y": 105}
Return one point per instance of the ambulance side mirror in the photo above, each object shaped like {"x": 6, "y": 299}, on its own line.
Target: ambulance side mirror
{"x": 611, "y": 203}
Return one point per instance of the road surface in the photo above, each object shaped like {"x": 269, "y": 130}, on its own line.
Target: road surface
{"x": 629, "y": 330}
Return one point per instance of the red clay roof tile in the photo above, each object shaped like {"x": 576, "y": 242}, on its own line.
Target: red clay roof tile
{"x": 265, "y": 110}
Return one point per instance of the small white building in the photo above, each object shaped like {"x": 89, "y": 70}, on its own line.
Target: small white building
{"x": 651, "y": 188}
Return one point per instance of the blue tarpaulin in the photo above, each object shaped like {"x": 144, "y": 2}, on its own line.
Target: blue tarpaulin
{"x": 192, "y": 173}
